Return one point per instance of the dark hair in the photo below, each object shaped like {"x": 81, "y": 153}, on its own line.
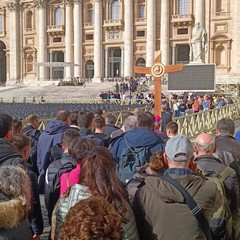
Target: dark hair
{"x": 98, "y": 174}
{"x": 69, "y": 135}
{"x": 91, "y": 218}
{"x": 110, "y": 119}
{"x": 98, "y": 122}
{"x": 31, "y": 118}
{"x": 226, "y": 125}
{"x": 62, "y": 115}
{"x": 73, "y": 118}
{"x": 85, "y": 119}
{"x": 17, "y": 126}
{"x": 21, "y": 141}
{"x": 6, "y": 122}
{"x": 172, "y": 127}
{"x": 79, "y": 148}
{"x": 145, "y": 120}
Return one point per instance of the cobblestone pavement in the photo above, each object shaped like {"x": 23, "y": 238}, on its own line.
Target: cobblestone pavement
{"x": 44, "y": 236}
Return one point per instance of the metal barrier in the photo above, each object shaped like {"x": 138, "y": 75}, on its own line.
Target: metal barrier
{"x": 193, "y": 124}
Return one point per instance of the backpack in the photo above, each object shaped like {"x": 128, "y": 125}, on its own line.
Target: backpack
{"x": 131, "y": 158}
{"x": 221, "y": 222}
{"x": 52, "y": 184}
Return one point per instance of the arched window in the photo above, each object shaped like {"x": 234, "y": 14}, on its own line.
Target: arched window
{"x": 183, "y": 7}
{"x": 220, "y": 51}
{"x": 90, "y": 13}
{"x": 115, "y": 7}
{"x": 58, "y": 17}
{"x": 1, "y": 23}
{"x": 29, "y": 19}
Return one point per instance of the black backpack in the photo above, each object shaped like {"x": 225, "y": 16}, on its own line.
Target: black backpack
{"x": 52, "y": 184}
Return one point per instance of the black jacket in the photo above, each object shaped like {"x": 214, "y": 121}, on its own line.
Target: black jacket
{"x": 9, "y": 155}
{"x": 52, "y": 184}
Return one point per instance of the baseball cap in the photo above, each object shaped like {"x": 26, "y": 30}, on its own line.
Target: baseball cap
{"x": 179, "y": 144}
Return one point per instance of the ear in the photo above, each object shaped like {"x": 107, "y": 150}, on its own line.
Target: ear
{"x": 165, "y": 159}
{"x": 217, "y": 132}
{"x": 9, "y": 135}
{"x": 195, "y": 149}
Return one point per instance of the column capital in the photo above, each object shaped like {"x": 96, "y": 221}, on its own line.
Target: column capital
{"x": 40, "y": 3}
{"x": 13, "y": 6}
{"x": 77, "y": 2}
{"x": 68, "y": 2}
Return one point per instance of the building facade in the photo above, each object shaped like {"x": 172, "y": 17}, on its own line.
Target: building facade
{"x": 106, "y": 38}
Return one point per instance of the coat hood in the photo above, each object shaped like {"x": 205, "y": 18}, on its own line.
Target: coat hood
{"x": 168, "y": 193}
{"x": 140, "y": 137}
{"x": 11, "y": 213}
{"x": 55, "y": 126}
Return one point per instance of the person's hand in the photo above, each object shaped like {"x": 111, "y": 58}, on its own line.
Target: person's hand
{"x": 36, "y": 237}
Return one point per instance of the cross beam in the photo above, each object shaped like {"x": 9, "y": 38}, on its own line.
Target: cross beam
{"x": 157, "y": 70}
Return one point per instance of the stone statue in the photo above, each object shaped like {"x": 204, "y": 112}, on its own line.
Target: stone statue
{"x": 198, "y": 43}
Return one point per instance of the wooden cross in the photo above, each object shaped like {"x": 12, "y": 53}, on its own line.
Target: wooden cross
{"x": 157, "y": 70}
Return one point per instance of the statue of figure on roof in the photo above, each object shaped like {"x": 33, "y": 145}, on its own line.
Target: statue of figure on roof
{"x": 198, "y": 44}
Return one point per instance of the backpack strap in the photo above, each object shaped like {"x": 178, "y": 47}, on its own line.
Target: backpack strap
{"x": 192, "y": 205}
{"x": 225, "y": 173}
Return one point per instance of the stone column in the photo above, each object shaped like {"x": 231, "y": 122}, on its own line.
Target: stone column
{"x": 68, "y": 37}
{"x": 98, "y": 40}
{"x": 14, "y": 41}
{"x": 151, "y": 32}
{"x": 164, "y": 46}
{"x": 199, "y": 11}
{"x": 122, "y": 61}
{"x": 42, "y": 38}
{"x": 173, "y": 54}
{"x": 106, "y": 62}
{"x": 78, "y": 37}
{"x": 128, "y": 38}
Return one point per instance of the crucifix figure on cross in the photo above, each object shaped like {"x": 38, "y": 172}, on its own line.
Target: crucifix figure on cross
{"x": 157, "y": 70}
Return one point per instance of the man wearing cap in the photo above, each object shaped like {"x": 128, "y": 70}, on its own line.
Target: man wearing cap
{"x": 160, "y": 209}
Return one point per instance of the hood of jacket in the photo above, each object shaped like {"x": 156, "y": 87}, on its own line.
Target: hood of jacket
{"x": 168, "y": 193}
{"x": 55, "y": 126}
{"x": 11, "y": 212}
{"x": 140, "y": 137}
{"x": 8, "y": 151}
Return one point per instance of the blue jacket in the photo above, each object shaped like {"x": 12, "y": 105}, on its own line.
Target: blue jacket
{"x": 138, "y": 137}
{"x": 51, "y": 136}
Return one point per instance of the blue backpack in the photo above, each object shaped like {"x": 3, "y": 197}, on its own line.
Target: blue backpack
{"x": 131, "y": 158}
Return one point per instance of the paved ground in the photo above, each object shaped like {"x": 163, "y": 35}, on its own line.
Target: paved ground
{"x": 53, "y": 93}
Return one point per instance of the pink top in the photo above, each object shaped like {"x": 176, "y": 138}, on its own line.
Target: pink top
{"x": 69, "y": 179}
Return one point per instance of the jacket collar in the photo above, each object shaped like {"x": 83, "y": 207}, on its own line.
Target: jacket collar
{"x": 207, "y": 157}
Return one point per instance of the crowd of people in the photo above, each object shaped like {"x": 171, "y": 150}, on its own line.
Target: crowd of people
{"x": 141, "y": 180}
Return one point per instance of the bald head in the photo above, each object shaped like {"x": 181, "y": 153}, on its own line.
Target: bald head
{"x": 204, "y": 144}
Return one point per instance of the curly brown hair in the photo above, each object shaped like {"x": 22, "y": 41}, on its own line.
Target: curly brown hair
{"x": 156, "y": 162}
{"x": 93, "y": 218}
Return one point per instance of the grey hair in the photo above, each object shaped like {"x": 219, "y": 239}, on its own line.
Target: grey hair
{"x": 130, "y": 123}
{"x": 206, "y": 147}
{"x": 15, "y": 184}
